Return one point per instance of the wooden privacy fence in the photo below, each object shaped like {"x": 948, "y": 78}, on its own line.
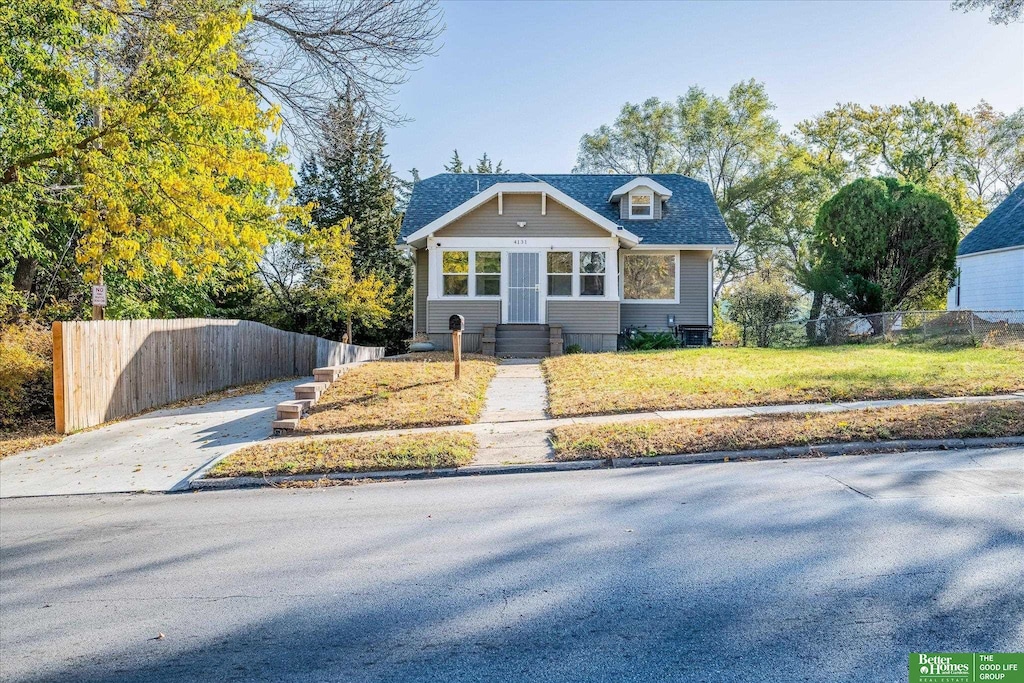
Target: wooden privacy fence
{"x": 106, "y": 369}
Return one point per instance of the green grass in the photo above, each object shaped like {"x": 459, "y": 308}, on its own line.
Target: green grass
{"x": 418, "y": 391}
{"x": 668, "y": 437}
{"x": 591, "y": 384}
{"x": 324, "y": 456}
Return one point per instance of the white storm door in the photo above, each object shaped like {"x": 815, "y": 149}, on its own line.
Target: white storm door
{"x": 524, "y": 288}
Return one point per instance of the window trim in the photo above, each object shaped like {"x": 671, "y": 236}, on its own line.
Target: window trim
{"x": 471, "y": 274}
{"x": 573, "y": 285}
{"x": 641, "y": 191}
{"x": 648, "y": 252}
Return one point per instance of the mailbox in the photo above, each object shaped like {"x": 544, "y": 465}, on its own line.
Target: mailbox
{"x": 456, "y": 323}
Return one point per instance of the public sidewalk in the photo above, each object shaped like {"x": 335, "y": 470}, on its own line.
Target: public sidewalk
{"x": 526, "y": 441}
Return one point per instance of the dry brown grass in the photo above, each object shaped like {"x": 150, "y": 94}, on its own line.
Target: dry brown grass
{"x": 591, "y": 384}
{"x": 323, "y": 456}
{"x": 632, "y": 439}
{"x": 418, "y": 391}
{"x": 27, "y": 436}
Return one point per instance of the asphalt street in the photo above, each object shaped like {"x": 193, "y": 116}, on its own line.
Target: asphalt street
{"x": 801, "y": 570}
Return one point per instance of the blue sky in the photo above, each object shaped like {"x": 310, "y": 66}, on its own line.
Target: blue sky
{"x": 524, "y": 80}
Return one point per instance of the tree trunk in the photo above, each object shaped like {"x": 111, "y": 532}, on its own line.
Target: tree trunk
{"x": 25, "y": 274}
{"x": 812, "y": 323}
{"x": 348, "y": 325}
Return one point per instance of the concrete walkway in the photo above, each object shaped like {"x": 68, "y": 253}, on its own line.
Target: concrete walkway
{"x": 517, "y": 395}
{"x": 158, "y": 451}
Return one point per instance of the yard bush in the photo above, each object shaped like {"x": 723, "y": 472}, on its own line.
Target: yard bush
{"x": 574, "y": 348}
{"x": 26, "y": 373}
{"x": 651, "y": 341}
{"x": 760, "y": 304}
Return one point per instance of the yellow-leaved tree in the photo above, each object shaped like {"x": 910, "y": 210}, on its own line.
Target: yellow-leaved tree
{"x": 331, "y": 284}
{"x": 127, "y": 118}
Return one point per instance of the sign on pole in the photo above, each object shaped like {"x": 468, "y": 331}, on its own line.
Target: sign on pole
{"x": 99, "y": 295}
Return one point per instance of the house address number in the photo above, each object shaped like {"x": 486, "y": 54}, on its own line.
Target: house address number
{"x": 518, "y": 242}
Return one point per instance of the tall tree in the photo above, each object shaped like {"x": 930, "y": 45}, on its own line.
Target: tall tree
{"x": 129, "y": 143}
{"x": 883, "y": 244}
{"x": 350, "y": 179}
{"x": 641, "y": 140}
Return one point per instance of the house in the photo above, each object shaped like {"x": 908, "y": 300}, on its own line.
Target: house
{"x": 536, "y": 263}
{"x": 991, "y": 261}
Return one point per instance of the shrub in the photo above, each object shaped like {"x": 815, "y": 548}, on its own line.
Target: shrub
{"x": 761, "y": 303}
{"x": 26, "y": 372}
{"x": 574, "y": 348}
{"x": 651, "y": 341}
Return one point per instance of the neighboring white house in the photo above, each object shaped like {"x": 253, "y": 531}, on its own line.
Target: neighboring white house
{"x": 991, "y": 261}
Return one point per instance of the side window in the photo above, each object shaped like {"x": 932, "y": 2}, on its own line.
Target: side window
{"x": 488, "y": 273}
{"x": 455, "y": 273}
{"x": 559, "y": 273}
{"x": 592, "y": 271}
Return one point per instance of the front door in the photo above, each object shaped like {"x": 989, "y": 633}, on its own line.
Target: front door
{"x": 524, "y": 288}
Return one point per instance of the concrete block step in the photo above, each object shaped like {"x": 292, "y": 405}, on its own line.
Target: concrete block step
{"x": 292, "y": 409}
{"x": 285, "y": 425}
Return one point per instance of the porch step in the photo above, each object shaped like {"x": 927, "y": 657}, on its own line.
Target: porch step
{"x": 522, "y": 341}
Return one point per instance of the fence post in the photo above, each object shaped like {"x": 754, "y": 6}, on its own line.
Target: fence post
{"x": 58, "y": 377}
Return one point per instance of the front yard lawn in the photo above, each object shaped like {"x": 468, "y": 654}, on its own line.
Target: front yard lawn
{"x": 417, "y": 391}
{"x": 634, "y": 440}
{"x": 591, "y": 384}
{"x": 323, "y": 456}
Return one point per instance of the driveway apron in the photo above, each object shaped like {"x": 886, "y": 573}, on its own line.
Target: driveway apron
{"x": 157, "y": 451}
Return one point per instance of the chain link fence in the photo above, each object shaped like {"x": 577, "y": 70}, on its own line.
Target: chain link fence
{"x": 965, "y": 328}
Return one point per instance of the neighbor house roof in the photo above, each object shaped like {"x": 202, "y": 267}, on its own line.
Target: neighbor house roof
{"x": 1001, "y": 229}
{"x": 691, "y": 216}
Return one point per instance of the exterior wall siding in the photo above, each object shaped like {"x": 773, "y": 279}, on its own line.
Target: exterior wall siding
{"x": 692, "y": 308}
{"x": 477, "y": 313}
{"x": 559, "y": 221}
{"x": 471, "y": 343}
{"x": 992, "y": 281}
{"x": 591, "y": 343}
{"x": 422, "y": 278}
{"x": 580, "y": 316}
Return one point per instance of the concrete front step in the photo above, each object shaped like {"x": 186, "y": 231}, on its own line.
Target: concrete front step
{"x": 523, "y": 347}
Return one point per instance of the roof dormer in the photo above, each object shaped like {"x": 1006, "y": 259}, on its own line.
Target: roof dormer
{"x": 640, "y": 198}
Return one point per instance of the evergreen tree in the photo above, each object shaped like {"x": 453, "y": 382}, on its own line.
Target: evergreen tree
{"x": 455, "y": 164}
{"x": 350, "y": 177}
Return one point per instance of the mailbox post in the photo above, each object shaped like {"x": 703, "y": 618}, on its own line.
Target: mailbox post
{"x": 456, "y": 324}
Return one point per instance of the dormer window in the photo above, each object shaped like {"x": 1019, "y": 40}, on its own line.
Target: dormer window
{"x": 641, "y": 204}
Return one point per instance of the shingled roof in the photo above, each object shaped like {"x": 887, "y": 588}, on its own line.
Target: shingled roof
{"x": 691, "y": 216}
{"x": 1001, "y": 229}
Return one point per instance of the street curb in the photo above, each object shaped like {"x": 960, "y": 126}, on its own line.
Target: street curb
{"x": 785, "y": 452}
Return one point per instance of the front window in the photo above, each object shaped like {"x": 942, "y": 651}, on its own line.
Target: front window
{"x": 592, "y": 270}
{"x": 488, "y": 273}
{"x": 649, "y": 277}
{"x": 455, "y": 273}
{"x": 559, "y": 273}
{"x": 640, "y": 205}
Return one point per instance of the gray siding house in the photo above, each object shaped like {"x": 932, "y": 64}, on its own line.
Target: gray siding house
{"x": 536, "y": 263}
